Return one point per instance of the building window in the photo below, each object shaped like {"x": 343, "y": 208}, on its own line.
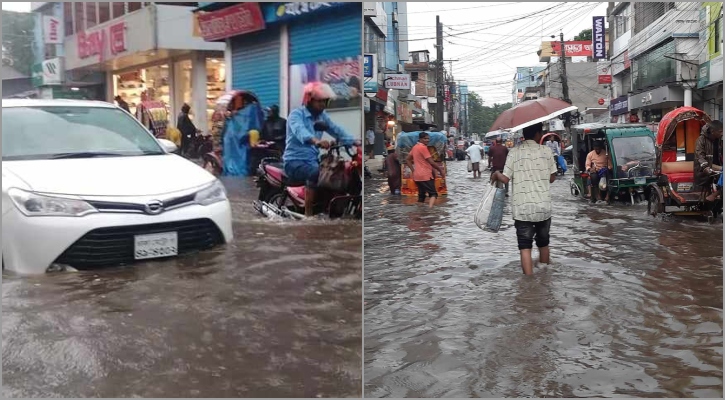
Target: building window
{"x": 91, "y": 17}
{"x": 68, "y": 18}
{"x": 104, "y": 12}
{"x": 78, "y": 17}
{"x": 134, "y": 6}
{"x": 718, "y": 37}
{"x": 118, "y": 9}
{"x": 653, "y": 68}
{"x": 622, "y": 22}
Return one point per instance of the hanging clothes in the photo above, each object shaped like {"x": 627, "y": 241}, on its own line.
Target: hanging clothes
{"x": 236, "y": 139}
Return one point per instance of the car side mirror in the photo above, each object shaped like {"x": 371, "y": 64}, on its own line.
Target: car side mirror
{"x": 168, "y": 145}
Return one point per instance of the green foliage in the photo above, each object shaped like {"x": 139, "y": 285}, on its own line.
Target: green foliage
{"x": 18, "y": 40}
{"x": 480, "y": 117}
{"x": 586, "y": 34}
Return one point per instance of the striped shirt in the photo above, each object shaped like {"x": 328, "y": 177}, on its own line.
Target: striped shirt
{"x": 529, "y": 167}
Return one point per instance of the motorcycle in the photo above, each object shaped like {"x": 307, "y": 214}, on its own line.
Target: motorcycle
{"x": 201, "y": 144}
{"x": 282, "y": 197}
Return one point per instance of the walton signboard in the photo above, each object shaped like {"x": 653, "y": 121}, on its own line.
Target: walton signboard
{"x": 598, "y": 39}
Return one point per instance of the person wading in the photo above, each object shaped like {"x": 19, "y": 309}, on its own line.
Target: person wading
{"x": 497, "y": 158}
{"x": 475, "y": 153}
{"x": 531, "y": 169}
{"x": 422, "y": 165}
{"x": 708, "y": 153}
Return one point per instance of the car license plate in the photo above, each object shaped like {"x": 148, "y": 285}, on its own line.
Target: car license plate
{"x": 684, "y": 187}
{"x": 640, "y": 180}
{"x": 156, "y": 245}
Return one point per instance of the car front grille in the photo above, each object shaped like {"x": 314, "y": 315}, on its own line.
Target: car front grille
{"x": 115, "y": 246}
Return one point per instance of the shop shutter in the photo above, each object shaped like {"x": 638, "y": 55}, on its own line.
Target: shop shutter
{"x": 255, "y": 65}
{"x": 332, "y": 35}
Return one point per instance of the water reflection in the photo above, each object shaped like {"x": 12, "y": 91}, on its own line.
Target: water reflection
{"x": 275, "y": 313}
{"x": 631, "y": 306}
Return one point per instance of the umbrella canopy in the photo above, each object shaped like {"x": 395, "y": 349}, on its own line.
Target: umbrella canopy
{"x": 496, "y": 133}
{"x": 532, "y": 112}
{"x": 669, "y": 122}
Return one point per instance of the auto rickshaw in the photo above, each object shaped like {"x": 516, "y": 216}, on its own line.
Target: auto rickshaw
{"x": 437, "y": 147}
{"x": 633, "y": 155}
{"x": 226, "y": 105}
{"x": 675, "y": 165}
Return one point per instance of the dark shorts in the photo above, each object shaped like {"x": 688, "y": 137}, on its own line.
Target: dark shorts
{"x": 474, "y": 166}
{"x": 369, "y": 148}
{"x": 303, "y": 171}
{"x": 527, "y": 232}
{"x": 426, "y": 187}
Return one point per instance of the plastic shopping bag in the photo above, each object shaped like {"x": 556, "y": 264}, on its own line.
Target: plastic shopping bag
{"x": 470, "y": 165}
{"x": 489, "y": 214}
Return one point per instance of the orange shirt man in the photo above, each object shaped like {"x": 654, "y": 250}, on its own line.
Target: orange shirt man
{"x": 421, "y": 164}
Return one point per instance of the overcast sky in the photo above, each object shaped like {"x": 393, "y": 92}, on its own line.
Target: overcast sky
{"x": 17, "y": 6}
{"x": 491, "y": 39}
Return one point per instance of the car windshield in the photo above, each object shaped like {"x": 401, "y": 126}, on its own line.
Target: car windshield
{"x": 53, "y": 132}
{"x": 631, "y": 151}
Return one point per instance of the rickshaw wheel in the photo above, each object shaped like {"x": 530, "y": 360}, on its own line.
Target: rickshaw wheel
{"x": 654, "y": 206}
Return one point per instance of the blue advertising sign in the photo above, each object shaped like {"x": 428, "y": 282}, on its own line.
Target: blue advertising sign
{"x": 370, "y": 76}
{"x": 598, "y": 40}
{"x": 619, "y": 106}
{"x": 276, "y": 12}
{"x": 368, "y": 66}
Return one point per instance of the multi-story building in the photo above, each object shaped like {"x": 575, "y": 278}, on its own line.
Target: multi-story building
{"x": 136, "y": 50}
{"x": 709, "y": 82}
{"x": 620, "y": 17}
{"x": 525, "y": 77}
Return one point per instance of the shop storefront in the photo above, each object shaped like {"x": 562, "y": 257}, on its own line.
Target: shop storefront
{"x": 145, "y": 65}
{"x": 710, "y": 87}
{"x": 283, "y": 46}
{"x": 619, "y": 110}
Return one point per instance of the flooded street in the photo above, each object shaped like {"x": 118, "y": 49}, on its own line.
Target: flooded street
{"x": 276, "y": 313}
{"x": 630, "y": 307}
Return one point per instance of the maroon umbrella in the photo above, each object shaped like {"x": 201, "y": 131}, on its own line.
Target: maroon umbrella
{"x": 531, "y": 112}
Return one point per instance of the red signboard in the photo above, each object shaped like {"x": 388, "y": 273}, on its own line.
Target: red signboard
{"x": 605, "y": 79}
{"x": 93, "y": 44}
{"x": 601, "y": 102}
{"x": 231, "y": 21}
{"x": 574, "y": 49}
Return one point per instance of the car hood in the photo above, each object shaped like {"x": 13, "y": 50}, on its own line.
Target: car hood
{"x": 110, "y": 176}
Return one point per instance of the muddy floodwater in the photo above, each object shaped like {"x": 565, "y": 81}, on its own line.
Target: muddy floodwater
{"x": 276, "y": 313}
{"x": 630, "y": 307}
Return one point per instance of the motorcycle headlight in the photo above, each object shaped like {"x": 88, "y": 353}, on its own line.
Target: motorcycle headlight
{"x": 211, "y": 194}
{"x": 39, "y": 205}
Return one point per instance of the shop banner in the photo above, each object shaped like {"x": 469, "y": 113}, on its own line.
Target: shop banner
{"x": 619, "y": 106}
{"x": 277, "y": 12}
{"x": 370, "y": 75}
{"x": 604, "y": 72}
{"x": 573, "y": 49}
{"x": 397, "y": 81}
{"x": 231, "y": 21}
{"x": 52, "y": 30}
{"x": 703, "y": 76}
{"x": 343, "y": 75}
{"x": 94, "y": 43}
{"x": 598, "y": 39}
{"x": 53, "y": 71}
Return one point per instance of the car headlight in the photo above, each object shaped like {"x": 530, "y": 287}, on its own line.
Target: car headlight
{"x": 211, "y": 194}
{"x": 39, "y": 205}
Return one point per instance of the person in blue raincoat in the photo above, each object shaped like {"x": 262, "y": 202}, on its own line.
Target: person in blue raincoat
{"x": 236, "y": 138}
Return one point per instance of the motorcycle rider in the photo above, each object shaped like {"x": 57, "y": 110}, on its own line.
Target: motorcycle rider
{"x": 305, "y": 128}
{"x": 275, "y": 129}
{"x": 187, "y": 128}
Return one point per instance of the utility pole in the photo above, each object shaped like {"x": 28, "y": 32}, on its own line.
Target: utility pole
{"x": 439, "y": 74}
{"x": 564, "y": 83}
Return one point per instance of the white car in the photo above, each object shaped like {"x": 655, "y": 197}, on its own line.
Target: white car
{"x": 86, "y": 185}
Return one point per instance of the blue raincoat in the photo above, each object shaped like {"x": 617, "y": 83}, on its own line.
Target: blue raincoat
{"x": 719, "y": 181}
{"x": 562, "y": 163}
{"x": 236, "y": 139}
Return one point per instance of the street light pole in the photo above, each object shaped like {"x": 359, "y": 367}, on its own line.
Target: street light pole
{"x": 564, "y": 83}
{"x": 439, "y": 74}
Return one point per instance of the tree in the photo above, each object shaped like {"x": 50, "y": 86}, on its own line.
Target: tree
{"x": 17, "y": 41}
{"x": 586, "y": 34}
{"x": 480, "y": 117}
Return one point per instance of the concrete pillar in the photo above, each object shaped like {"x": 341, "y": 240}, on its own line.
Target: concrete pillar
{"x": 228, "y": 65}
{"x": 199, "y": 90}
{"x": 284, "y": 71}
{"x": 688, "y": 97}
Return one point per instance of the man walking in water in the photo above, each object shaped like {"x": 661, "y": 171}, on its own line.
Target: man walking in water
{"x": 497, "y": 156}
{"x": 532, "y": 170}
{"x": 421, "y": 165}
{"x": 475, "y": 153}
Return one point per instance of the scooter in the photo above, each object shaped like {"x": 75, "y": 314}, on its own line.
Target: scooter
{"x": 281, "y": 197}
{"x": 201, "y": 144}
